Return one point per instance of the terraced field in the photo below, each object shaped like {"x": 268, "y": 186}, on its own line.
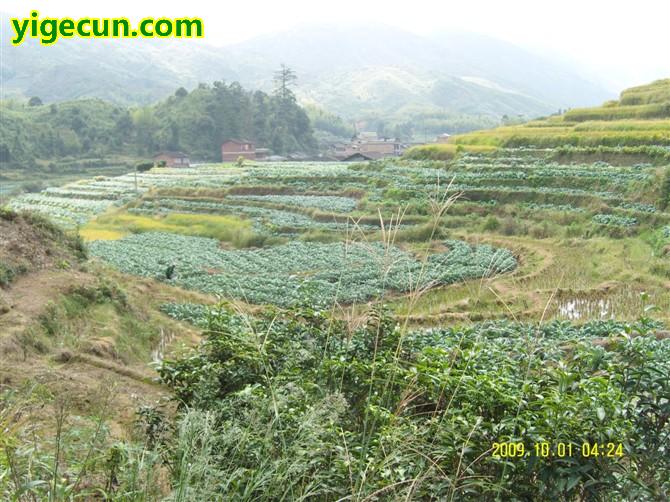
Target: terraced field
{"x": 636, "y": 126}
{"x": 400, "y": 317}
{"x": 299, "y": 272}
{"x": 352, "y": 233}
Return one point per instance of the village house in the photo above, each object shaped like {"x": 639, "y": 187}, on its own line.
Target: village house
{"x": 232, "y": 149}
{"x": 380, "y": 148}
{"x": 171, "y": 159}
{"x": 443, "y": 138}
{"x": 367, "y": 146}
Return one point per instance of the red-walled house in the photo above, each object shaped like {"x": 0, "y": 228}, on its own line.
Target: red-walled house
{"x": 172, "y": 159}
{"x": 232, "y": 149}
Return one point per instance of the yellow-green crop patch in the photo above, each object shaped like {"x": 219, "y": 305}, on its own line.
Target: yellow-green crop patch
{"x": 446, "y": 151}
{"x": 226, "y": 228}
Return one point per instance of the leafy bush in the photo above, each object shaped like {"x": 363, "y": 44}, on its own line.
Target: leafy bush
{"x": 491, "y": 224}
{"x": 665, "y": 189}
{"x": 305, "y": 407}
{"x": 145, "y": 166}
{"x": 7, "y": 274}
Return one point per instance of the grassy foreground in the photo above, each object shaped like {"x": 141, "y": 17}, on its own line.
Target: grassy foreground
{"x": 300, "y": 406}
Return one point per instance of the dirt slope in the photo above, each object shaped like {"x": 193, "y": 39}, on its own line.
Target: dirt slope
{"x": 68, "y": 327}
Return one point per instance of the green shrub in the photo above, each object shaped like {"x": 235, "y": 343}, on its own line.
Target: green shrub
{"x": 305, "y": 406}
{"x": 7, "y": 274}
{"x": 664, "y": 199}
{"x": 491, "y": 224}
{"x": 7, "y": 214}
{"x": 145, "y": 166}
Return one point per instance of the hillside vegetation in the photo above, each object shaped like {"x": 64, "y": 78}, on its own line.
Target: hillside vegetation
{"x": 544, "y": 287}
{"x": 489, "y": 327}
{"x": 641, "y": 117}
{"x": 195, "y": 122}
{"x": 31, "y": 242}
{"x": 388, "y": 77}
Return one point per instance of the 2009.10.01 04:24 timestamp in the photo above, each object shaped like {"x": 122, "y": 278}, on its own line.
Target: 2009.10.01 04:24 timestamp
{"x": 560, "y": 450}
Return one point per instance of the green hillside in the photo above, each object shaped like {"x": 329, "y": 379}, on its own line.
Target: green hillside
{"x": 654, "y": 93}
{"x": 386, "y": 77}
{"x": 89, "y": 127}
{"x": 195, "y": 122}
{"x": 641, "y": 117}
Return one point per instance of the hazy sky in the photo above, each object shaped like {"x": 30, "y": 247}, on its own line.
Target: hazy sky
{"x": 622, "y": 43}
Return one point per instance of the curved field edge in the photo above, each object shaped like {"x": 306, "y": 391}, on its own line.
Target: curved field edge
{"x": 297, "y": 272}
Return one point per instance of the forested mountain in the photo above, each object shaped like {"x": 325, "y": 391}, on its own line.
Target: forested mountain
{"x": 195, "y": 121}
{"x": 386, "y": 77}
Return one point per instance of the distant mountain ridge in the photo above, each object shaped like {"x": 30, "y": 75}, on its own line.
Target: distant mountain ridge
{"x": 357, "y": 72}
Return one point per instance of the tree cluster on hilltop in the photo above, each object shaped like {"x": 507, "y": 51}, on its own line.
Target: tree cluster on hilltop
{"x": 196, "y": 122}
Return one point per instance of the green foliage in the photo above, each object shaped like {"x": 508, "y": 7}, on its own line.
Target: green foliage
{"x": 305, "y": 407}
{"x": 664, "y": 201}
{"x": 8, "y": 272}
{"x": 648, "y": 152}
{"x": 284, "y": 80}
{"x": 332, "y": 203}
{"x": 328, "y": 122}
{"x": 144, "y": 166}
{"x": 491, "y": 224}
{"x": 646, "y": 111}
{"x": 614, "y": 220}
{"x": 552, "y": 207}
{"x": 638, "y": 206}
{"x": 259, "y": 204}
{"x": 85, "y": 128}
{"x": 444, "y": 151}
{"x": 80, "y": 462}
{"x": 641, "y": 118}
{"x": 196, "y": 122}
{"x": 656, "y": 92}
{"x": 298, "y": 271}
{"x": 199, "y": 122}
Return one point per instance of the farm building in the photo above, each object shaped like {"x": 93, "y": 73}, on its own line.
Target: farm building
{"x": 356, "y": 157}
{"x": 232, "y": 149}
{"x": 172, "y": 159}
{"x": 443, "y": 138}
{"x": 380, "y": 148}
{"x": 367, "y": 146}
